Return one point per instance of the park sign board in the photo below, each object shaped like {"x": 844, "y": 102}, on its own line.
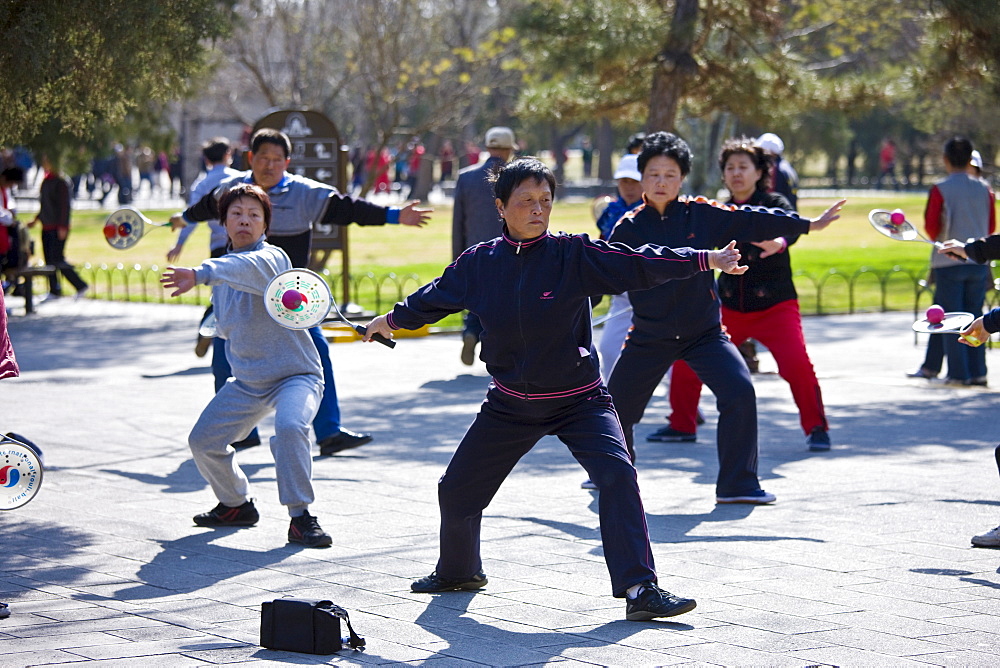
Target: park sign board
{"x": 318, "y": 154}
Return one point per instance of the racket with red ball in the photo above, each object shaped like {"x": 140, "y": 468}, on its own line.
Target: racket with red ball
{"x": 894, "y": 225}
{"x": 300, "y": 299}
{"x": 125, "y": 227}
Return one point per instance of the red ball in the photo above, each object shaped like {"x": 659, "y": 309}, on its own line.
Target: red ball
{"x": 292, "y": 299}
{"x": 897, "y": 217}
{"x": 935, "y": 314}
{"x": 110, "y": 231}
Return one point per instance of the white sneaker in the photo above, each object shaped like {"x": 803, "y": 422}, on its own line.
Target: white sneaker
{"x": 989, "y": 539}
{"x": 82, "y": 292}
{"x": 588, "y": 484}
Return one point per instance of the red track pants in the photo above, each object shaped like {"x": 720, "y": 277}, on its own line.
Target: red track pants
{"x": 779, "y": 329}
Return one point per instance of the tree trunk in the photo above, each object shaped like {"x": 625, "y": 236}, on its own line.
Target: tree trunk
{"x": 675, "y": 67}
{"x": 605, "y": 150}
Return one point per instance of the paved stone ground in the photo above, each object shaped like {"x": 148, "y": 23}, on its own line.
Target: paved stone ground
{"x": 865, "y": 559}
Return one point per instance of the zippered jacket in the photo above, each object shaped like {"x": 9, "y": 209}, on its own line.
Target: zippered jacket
{"x": 533, "y": 298}
{"x": 689, "y": 308}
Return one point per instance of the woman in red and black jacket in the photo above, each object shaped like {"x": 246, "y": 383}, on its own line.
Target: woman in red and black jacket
{"x": 532, "y": 289}
{"x": 761, "y": 304}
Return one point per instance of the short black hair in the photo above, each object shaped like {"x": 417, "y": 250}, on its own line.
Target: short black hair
{"x": 250, "y": 191}
{"x": 214, "y": 150}
{"x": 271, "y": 136}
{"x": 667, "y": 144}
{"x": 958, "y": 151}
{"x": 506, "y": 178}
{"x": 762, "y": 159}
{"x": 13, "y": 175}
{"x": 635, "y": 141}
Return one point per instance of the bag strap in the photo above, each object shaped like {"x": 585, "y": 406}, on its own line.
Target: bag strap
{"x": 356, "y": 641}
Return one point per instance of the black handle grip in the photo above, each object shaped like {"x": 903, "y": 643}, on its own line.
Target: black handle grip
{"x": 362, "y": 330}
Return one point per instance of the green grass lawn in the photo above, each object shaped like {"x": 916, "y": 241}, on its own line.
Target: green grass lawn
{"x": 826, "y": 261}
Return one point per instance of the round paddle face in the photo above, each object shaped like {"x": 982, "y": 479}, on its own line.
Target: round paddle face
{"x": 298, "y": 299}
{"x": 124, "y": 228}
{"x": 881, "y": 220}
{"x": 954, "y": 321}
{"x": 20, "y": 474}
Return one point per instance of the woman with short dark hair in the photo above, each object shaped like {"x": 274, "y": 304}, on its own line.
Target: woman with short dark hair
{"x": 532, "y": 291}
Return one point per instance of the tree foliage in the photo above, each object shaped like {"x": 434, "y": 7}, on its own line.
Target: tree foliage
{"x": 381, "y": 69}
{"x": 70, "y": 65}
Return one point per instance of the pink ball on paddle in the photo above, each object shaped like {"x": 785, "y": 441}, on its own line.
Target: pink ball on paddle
{"x": 897, "y": 217}
{"x": 292, "y": 299}
{"x": 935, "y": 314}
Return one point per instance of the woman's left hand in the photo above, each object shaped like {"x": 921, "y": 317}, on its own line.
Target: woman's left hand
{"x": 727, "y": 260}
{"x": 379, "y": 325}
{"x": 975, "y": 330}
{"x": 770, "y": 247}
{"x": 827, "y": 217}
{"x": 180, "y": 279}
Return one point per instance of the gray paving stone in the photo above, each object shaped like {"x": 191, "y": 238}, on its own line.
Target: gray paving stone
{"x": 960, "y": 659}
{"x": 771, "y": 621}
{"x": 849, "y": 656}
{"x": 873, "y": 641}
{"x": 767, "y": 641}
{"x": 152, "y": 648}
{"x": 44, "y": 657}
{"x": 729, "y": 655}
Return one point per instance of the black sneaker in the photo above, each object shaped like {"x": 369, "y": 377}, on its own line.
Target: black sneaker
{"x": 342, "y": 440}
{"x": 671, "y": 435}
{"x": 305, "y": 529}
{"x": 434, "y": 583}
{"x": 250, "y": 441}
{"x": 653, "y": 602}
{"x": 819, "y": 440}
{"x": 226, "y": 516}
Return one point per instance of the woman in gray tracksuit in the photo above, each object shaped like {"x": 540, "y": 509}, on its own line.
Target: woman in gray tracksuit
{"x": 274, "y": 368}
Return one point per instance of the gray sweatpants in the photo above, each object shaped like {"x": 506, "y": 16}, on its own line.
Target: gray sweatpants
{"x": 230, "y": 416}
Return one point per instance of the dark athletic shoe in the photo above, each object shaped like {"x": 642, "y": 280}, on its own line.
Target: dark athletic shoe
{"x": 434, "y": 583}
{"x": 250, "y": 441}
{"x": 819, "y": 440}
{"x": 671, "y": 435}
{"x": 342, "y": 440}
{"x": 305, "y": 529}
{"x": 225, "y": 516}
{"x": 653, "y": 602}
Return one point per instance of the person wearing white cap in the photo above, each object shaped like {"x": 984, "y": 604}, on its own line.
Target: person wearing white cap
{"x": 475, "y": 218}
{"x": 784, "y": 178}
{"x": 975, "y": 167}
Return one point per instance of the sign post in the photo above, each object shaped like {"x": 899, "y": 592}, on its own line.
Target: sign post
{"x": 318, "y": 154}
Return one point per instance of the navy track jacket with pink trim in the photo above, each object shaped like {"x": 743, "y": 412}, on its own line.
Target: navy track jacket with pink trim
{"x": 533, "y": 298}
{"x": 687, "y": 309}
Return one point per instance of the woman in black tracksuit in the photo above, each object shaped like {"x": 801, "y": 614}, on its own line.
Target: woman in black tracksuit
{"x": 532, "y": 290}
{"x": 680, "y": 320}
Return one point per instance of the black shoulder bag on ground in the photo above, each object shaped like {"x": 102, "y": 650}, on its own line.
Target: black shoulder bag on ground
{"x": 305, "y": 625}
